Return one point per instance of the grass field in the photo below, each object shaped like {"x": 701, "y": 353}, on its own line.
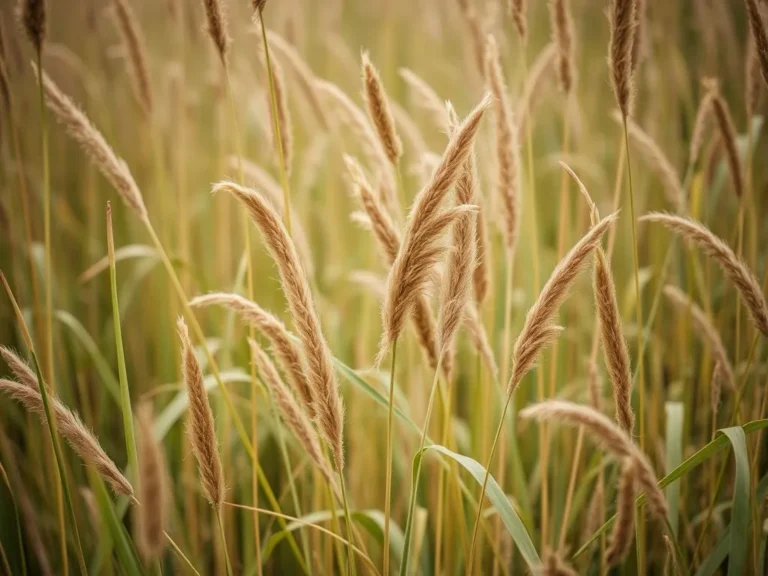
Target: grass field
{"x": 416, "y": 287}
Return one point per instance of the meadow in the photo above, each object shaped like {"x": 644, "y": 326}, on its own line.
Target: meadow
{"x": 425, "y": 287}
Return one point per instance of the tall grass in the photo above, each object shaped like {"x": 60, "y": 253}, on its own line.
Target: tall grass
{"x": 289, "y": 427}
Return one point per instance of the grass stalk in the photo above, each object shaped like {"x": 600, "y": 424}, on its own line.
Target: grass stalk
{"x": 242, "y": 433}
{"x": 220, "y": 521}
{"x": 59, "y": 462}
{"x": 640, "y": 523}
{"x": 478, "y": 516}
{"x": 350, "y": 534}
{"x": 125, "y": 394}
{"x": 388, "y": 482}
{"x": 417, "y": 476}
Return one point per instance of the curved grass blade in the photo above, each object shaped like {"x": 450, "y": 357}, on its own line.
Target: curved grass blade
{"x": 371, "y": 520}
{"x": 495, "y": 494}
{"x": 712, "y": 563}
{"x": 126, "y": 554}
{"x": 704, "y": 454}
{"x": 740, "y": 513}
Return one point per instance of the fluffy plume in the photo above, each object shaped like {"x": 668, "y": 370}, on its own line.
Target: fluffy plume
{"x": 538, "y": 330}
{"x": 457, "y": 284}
{"x": 609, "y": 435}
{"x": 717, "y": 389}
{"x": 20, "y": 369}
{"x": 290, "y": 411}
{"x": 507, "y": 149}
{"x": 151, "y": 513}
{"x": 327, "y": 404}
{"x": 33, "y": 17}
{"x": 285, "y": 349}
{"x": 95, "y": 146}
{"x": 757, "y": 25}
{"x": 217, "y": 27}
{"x": 264, "y": 181}
{"x": 623, "y": 22}
{"x": 379, "y": 111}
{"x": 704, "y": 330}
{"x": 734, "y": 269}
{"x": 481, "y": 278}
{"x": 561, "y": 22}
{"x": 638, "y": 43}
{"x": 133, "y": 40}
{"x": 258, "y": 6}
{"x": 420, "y": 249}
{"x": 621, "y": 537}
{"x": 479, "y": 337}
{"x": 71, "y": 428}
{"x": 727, "y": 132}
{"x": 614, "y": 344}
{"x": 388, "y": 240}
{"x": 752, "y": 85}
{"x": 200, "y": 426}
{"x": 519, "y": 11}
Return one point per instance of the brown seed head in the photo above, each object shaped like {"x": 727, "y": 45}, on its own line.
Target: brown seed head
{"x": 621, "y": 537}
{"x": 73, "y": 430}
{"x": 33, "y": 17}
{"x": 217, "y": 27}
{"x": 95, "y": 146}
{"x": 133, "y": 39}
{"x": 623, "y": 22}
{"x": 153, "y": 497}
{"x": 327, "y": 403}
{"x": 734, "y": 268}
{"x": 421, "y": 248}
{"x": 561, "y": 22}
{"x": 200, "y": 425}
{"x": 757, "y": 25}
{"x": 539, "y": 330}
{"x": 379, "y": 111}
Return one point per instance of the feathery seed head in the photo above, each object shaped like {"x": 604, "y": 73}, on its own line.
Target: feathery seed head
{"x": 33, "y": 17}
{"x": 202, "y": 432}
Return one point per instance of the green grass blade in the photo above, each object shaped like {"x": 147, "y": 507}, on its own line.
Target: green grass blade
{"x": 740, "y": 514}
{"x": 372, "y": 521}
{"x": 704, "y": 454}
{"x": 126, "y": 555}
{"x": 494, "y": 493}
{"x": 712, "y": 562}
{"x": 675, "y": 416}
{"x": 125, "y": 394}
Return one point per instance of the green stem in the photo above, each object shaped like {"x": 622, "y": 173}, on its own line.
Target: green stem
{"x": 48, "y": 345}
{"x": 350, "y": 547}
{"x": 639, "y": 314}
{"x": 415, "y": 487}
{"x": 223, "y": 540}
{"x": 125, "y": 395}
{"x": 388, "y": 483}
{"x": 479, "y": 514}
{"x": 59, "y": 460}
